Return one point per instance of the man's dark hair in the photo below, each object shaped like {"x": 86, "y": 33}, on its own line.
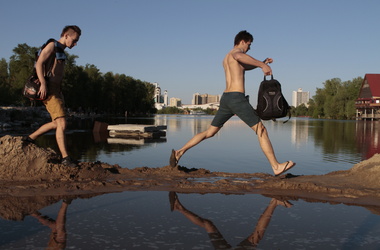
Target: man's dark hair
{"x": 243, "y": 36}
{"x": 73, "y": 28}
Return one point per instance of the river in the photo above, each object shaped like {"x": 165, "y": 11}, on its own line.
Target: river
{"x": 144, "y": 220}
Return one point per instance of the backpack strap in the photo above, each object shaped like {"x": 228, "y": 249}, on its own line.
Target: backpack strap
{"x": 289, "y": 113}
{"x": 59, "y": 52}
{"x": 42, "y": 47}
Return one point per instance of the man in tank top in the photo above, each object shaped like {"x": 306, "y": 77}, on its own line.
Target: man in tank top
{"x": 52, "y": 57}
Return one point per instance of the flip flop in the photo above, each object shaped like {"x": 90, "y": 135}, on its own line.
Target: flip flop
{"x": 173, "y": 161}
{"x": 285, "y": 169}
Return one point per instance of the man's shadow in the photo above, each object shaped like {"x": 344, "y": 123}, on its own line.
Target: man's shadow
{"x": 216, "y": 238}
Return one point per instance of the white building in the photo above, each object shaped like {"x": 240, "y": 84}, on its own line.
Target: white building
{"x": 166, "y": 98}
{"x": 175, "y": 102}
{"x": 157, "y": 93}
{"x": 199, "y": 99}
{"x": 300, "y": 97}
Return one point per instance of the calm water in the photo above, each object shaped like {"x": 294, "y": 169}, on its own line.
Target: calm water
{"x": 144, "y": 220}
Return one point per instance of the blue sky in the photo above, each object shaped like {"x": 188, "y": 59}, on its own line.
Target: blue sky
{"x": 181, "y": 44}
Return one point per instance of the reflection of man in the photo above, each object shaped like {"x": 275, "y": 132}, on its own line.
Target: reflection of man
{"x": 234, "y": 102}
{"x": 58, "y": 227}
{"x": 216, "y": 237}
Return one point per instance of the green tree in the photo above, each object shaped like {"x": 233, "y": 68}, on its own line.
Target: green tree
{"x": 352, "y": 91}
{"x": 170, "y": 110}
{"x": 311, "y": 108}
{"x": 21, "y": 66}
{"x": 319, "y": 100}
{"x": 94, "y": 86}
{"x": 5, "y": 98}
{"x": 337, "y": 99}
{"x": 300, "y": 110}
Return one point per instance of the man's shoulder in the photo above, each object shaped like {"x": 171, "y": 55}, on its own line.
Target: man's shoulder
{"x": 48, "y": 48}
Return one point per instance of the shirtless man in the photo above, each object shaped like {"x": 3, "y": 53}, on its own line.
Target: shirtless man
{"x": 54, "y": 59}
{"x": 234, "y": 102}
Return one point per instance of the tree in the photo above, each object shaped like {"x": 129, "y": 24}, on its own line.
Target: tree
{"x": 311, "y": 108}
{"x": 20, "y": 68}
{"x": 4, "y": 83}
{"x": 300, "y": 110}
{"x": 337, "y": 99}
{"x": 319, "y": 100}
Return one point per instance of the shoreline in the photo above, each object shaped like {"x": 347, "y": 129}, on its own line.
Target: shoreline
{"x": 28, "y": 171}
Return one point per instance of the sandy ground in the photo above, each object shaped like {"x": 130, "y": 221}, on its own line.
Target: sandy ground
{"x": 33, "y": 175}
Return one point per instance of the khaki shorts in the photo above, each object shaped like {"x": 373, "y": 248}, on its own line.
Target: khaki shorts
{"x": 55, "y": 106}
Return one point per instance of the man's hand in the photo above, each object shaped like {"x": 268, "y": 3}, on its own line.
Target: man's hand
{"x": 268, "y": 60}
{"x": 43, "y": 91}
{"x": 267, "y": 70}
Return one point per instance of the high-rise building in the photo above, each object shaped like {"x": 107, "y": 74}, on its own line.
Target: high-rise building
{"x": 166, "y": 98}
{"x": 300, "y": 97}
{"x": 157, "y": 93}
{"x": 175, "y": 102}
{"x": 199, "y": 99}
{"x": 160, "y": 101}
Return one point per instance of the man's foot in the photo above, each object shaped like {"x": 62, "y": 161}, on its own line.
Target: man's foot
{"x": 67, "y": 200}
{"x": 27, "y": 139}
{"x": 173, "y": 159}
{"x": 174, "y": 202}
{"x": 283, "y": 168}
{"x": 284, "y": 203}
{"x": 68, "y": 162}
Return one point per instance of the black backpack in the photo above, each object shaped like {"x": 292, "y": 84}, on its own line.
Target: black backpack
{"x": 271, "y": 103}
{"x": 32, "y": 84}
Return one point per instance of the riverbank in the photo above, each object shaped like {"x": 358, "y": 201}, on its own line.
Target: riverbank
{"x": 24, "y": 120}
{"x": 29, "y": 170}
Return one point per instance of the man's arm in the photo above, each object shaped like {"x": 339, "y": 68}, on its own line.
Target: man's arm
{"x": 40, "y": 65}
{"x": 250, "y": 63}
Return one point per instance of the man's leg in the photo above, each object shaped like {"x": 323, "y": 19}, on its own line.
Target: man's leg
{"x": 216, "y": 237}
{"x": 60, "y": 135}
{"x": 210, "y": 132}
{"x": 43, "y": 129}
{"x": 267, "y": 148}
{"x": 262, "y": 224}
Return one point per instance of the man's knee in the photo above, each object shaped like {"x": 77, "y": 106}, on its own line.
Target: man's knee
{"x": 211, "y": 131}
{"x": 60, "y": 123}
{"x": 259, "y": 128}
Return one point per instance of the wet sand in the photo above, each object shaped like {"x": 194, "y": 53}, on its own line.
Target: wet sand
{"x": 27, "y": 171}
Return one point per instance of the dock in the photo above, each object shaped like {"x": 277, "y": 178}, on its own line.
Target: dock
{"x": 137, "y": 131}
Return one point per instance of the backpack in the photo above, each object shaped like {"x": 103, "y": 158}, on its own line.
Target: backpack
{"x": 271, "y": 104}
{"x": 32, "y": 84}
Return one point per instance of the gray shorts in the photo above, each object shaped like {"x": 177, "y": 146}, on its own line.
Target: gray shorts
{"x": 235, "y": 103}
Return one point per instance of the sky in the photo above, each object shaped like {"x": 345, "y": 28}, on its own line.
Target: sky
{"x": 180, "y": 44}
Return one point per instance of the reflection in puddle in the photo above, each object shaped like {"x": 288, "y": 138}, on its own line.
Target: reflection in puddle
{"x": 216, "y": 238}
{"x": 57, "y": 239}
{"x": 145, "y": 220}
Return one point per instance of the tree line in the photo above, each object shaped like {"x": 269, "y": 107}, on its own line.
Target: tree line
{"x": 85, "y": 88}
{"x": 336, "y": 100}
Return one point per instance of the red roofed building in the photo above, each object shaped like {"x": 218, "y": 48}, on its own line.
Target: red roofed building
{"x": 368, "y": 103}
